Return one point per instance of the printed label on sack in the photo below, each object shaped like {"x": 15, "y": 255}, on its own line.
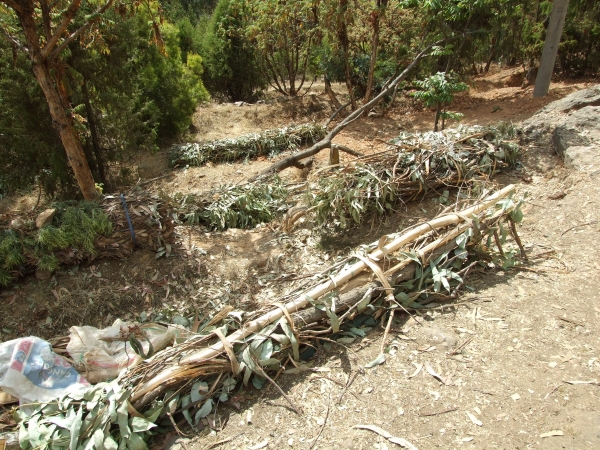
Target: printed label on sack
{"x": 43, "y": 368}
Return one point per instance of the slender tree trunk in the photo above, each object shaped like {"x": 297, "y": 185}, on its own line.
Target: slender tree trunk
{"x": 60, "y": 118}
{"x": 374, "y": 48}
{"x": 437, "y": 116}
{"x": 94, "y": 134}
{"x": 491, "y": 56}
{"x": 344, "y": 42}
{"x": 336, "y": 104}
{"x": 553, "y": 35}
{"x": 64, "y": 124}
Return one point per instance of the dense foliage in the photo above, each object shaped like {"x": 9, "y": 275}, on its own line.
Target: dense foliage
{"x": 74, "y": 228}
{"x": 128, "y": 93}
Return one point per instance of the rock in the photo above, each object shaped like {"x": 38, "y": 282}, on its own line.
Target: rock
{"x": 45, "y": 218}
{"x": 574, "y": 126}
{"x": 582, "y": 158}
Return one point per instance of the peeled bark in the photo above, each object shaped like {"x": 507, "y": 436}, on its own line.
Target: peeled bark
{"x": 64, "y": 125}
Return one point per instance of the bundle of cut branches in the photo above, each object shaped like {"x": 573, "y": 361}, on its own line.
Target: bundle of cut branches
{"x": 233, "y": 206}
{"x": 82, "y": 231}
{"x": 413, "y": 165}
{"x": 267, "y": 143}
{"x": 401, "y": 272}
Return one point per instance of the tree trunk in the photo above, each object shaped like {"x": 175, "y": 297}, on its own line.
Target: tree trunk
{"x": 491, "y": 56}
{"x": 553, "y": 35}
{"x": 61, "y": 120}
{"x": 336, "y": 104}
{"x": 94, "y": 134}
{"x": 374, "y": 47}
{"x": 344, "y": 42}
{"x": 64, "y": 125}
{"x": 437, "y": 116}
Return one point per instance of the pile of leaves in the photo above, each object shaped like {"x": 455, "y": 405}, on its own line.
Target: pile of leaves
{"x": 415, "y": 164}
{"x": 249, "y": 146}
{"x": 81, "y": 231}
{"x": 425, "y": 263}
{"x": 234, "y": 206}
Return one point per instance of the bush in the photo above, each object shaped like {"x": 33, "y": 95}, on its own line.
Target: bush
{"x": 230, "y": 61}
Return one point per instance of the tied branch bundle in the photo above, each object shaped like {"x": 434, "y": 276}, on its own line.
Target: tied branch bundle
{"x": 413, "y": 165}
{"x": 249, "y": 146}
{"x": 400, "y": 272}
{"x": 81, "y": 231}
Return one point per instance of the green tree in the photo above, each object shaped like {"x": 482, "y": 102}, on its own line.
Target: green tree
{"x": 174, "y": 88}
{"x": 284, "y": 33}
{"x": 438, "y": 91}
{"x": 29, "y": 146}
{"x": 123, "y": 92}
{"x": 231, "y": 68}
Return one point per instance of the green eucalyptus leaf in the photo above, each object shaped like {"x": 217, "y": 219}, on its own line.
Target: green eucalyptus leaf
{"x": 203, "y": 411}
{"x": 136, "y": 442}
{"x": 122, "y": 416}
{"x": 75, "y": 428}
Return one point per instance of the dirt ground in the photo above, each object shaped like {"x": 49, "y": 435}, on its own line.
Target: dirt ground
{"x": 518, "y": 356}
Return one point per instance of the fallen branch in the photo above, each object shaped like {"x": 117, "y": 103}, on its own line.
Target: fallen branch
{"x": 380, "y": 431}
{"x": 326, "y": 141}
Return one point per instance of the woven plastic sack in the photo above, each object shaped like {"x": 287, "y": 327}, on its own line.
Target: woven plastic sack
{"x": 32, "y": 372}
{"x": 101, "y": 355}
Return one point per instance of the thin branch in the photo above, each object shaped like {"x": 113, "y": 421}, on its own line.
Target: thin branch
{"x": 66, "y": 20}
{"x": 322, "y": 426}
{"x": 270, "y": 380}
{"x": 326, "y": 141}
{"x": 46, "y": 18}
{"x": 77, "y": 33}
{"x": 345, "y": 149}
{"x": 336, "y": 113}
{"x": 13, "y": 40}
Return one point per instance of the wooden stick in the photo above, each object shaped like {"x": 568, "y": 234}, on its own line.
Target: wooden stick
{"x": 350, "y": 381}
{"x": 513, "y": 230}
{"x": 322, "y": 426}
{"x": 387, "y": 329}
{"x": 264, "y": 374}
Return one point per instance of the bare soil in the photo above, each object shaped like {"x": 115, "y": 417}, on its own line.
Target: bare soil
{"x": 507, "y": 353}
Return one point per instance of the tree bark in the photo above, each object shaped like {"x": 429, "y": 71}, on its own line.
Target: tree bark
{"x": 374, "y": 48}
{"x": 52, "y": 89}
{"x": 336, "y": 104}
{"x": 64, "y": 125}
{"x": 345, "y": 43}
{"x": 553, "y": 35}
{"x": 94, "y": 134}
